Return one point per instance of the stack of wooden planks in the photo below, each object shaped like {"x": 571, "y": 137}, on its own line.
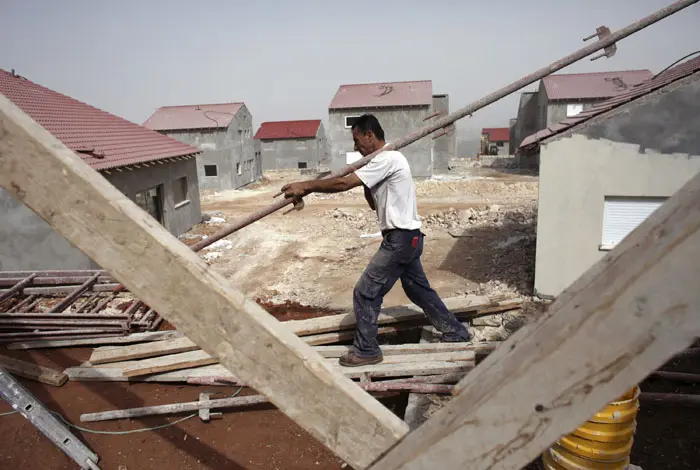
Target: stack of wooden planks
{"x": 178, "y": 359}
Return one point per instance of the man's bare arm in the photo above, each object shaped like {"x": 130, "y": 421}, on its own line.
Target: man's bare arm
{"x": 369, "y": 198}
{"x": 330, "y": 185}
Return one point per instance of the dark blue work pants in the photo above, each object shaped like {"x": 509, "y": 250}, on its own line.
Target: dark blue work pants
{"x": 398, "y": 257}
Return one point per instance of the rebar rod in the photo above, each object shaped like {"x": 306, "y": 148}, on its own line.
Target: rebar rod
{"x": 602, "y": 43}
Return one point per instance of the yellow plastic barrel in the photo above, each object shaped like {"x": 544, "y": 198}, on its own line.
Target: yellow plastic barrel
{"x": 604, "y": 442}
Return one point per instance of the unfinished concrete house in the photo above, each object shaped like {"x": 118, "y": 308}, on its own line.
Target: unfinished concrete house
{"x": 287, "y": 145}
{"x": 224, "y": 134}
{"x": 607, "y": 169}
{"x": 155, "y": 171}
{"x": 401, "y": 107}
{"x": 561, "y": 96}
{"x": 495, "y": 141}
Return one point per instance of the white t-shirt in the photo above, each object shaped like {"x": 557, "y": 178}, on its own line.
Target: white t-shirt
{"x": 388, "y": 176}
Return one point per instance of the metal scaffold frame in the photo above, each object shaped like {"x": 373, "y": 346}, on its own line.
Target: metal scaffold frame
{"x": 543, "y": 382}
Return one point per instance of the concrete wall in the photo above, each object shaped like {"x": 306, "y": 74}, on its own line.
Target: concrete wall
{"x": 527, "y": 120}
{"x": 282, "y": 154}
{"x": 556, "y": 110}
{"x": 511, "y": 142}
{"x": 445, "y": 146}
{"x": 29, "y": 243}
{"x": 232, "y": 150}
{"x": 396, "y": 122}
{"x": 177, "y": 217}
{"x": 648, "y": 148}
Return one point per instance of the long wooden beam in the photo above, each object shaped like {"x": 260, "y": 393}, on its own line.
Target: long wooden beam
{"x": 624, "y": 318}
{"x": 165, "y": 274}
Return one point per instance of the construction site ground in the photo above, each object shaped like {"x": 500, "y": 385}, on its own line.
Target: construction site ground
{"x": 480, "y": 227}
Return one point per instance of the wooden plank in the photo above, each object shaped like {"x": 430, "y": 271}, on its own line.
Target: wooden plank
{"x": 622, "y": 319}
{"x": 114, "y": 371}
{"x": 158, "y": 269}
{"x": 411, "y": 348}
{"x": 437, "y": 352}
{"x": 114, "y": 374}
{"x": 337, "y": 336}
{"x": 68, "y": 343}
{"x": 33, "y": 371}
{"x": 460, "y": 306}
{"x": 428, "y": 357}
{"x": 142, "y": 351}
{"x": 405, "y": 369}
{"x": 167, "y": 363}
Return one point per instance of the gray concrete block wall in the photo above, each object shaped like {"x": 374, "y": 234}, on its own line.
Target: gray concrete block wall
{"x": 231, "y": 150}
{"x": 396, "y": 122}
{"x": 241, "y": 130}
{"x": 177, "y": 217}
{"x": 27, "y": 242}
{"x": 284, "y": 154}
{"x": 445, "y": 146}
{"x": 556, "y": 111}
{"x": 527, "y": 120}
{"x": 650, "y": 147}
{"x": 324, "y": 154}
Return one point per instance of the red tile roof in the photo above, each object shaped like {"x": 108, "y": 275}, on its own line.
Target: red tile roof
{"x": 101, "y": 139}
{"x": 600, "y": 85}
{"x": 288, "y": 129}
{"x": 195, "y": 116}
{"x": 673, "y": 74}
{"x": 497, "y": 134}
{"x": 377, "y": 95}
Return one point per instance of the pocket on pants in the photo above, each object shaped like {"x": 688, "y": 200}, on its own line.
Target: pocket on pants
{"x": 371, "y": 283}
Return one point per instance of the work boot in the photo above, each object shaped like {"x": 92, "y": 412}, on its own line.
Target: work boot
{"x": 353, "y": 360}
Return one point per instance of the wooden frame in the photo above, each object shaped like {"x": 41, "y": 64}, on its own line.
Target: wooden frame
{"x": 165, "y": 274}
{"x": 620, "y": 321}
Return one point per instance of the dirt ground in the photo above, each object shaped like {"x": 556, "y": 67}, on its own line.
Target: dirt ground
{"x": 315, "y": 256}
{"x": 480, "y": 229}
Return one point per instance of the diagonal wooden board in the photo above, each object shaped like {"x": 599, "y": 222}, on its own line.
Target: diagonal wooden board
{"x": 136, "y": 250}
{"x": 622, "y": 319}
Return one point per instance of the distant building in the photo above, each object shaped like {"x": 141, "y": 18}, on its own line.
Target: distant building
{"x": 605, "y": 171}
{"x": 292, "y": 145}
{"x": 495, "y": 141}
{"x": 155, "y": 171}
{"x": 401, "y": 107}
{"x": 562, "y": 96}
{"x": 224, "y": 134}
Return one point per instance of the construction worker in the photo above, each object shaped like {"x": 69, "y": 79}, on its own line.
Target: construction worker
{"x": 390, "y": 192}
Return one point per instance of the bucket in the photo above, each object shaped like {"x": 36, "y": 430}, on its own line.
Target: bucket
{"x": 604, "y": 442}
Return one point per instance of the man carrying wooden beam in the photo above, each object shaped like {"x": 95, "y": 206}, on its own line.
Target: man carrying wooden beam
{"x": 389, "y": 191}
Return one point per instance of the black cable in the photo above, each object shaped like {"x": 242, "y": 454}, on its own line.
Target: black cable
{"x": 682, "y": 58}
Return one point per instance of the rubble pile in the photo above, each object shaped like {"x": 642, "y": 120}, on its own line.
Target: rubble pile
{"x": 492, "y": 215}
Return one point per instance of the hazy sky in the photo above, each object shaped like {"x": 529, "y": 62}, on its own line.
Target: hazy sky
{"x": 285, "y": 60}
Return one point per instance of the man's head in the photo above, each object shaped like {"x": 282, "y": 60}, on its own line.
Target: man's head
{"x": 367, "y": 134}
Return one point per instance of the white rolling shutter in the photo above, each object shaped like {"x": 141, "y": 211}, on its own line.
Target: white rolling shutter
{"x": 623, "y": 214}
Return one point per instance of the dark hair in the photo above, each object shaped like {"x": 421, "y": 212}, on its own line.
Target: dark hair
{"x": 368, "y": 122}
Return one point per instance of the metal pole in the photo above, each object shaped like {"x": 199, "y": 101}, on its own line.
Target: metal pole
{"x": 602, "y": 43}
